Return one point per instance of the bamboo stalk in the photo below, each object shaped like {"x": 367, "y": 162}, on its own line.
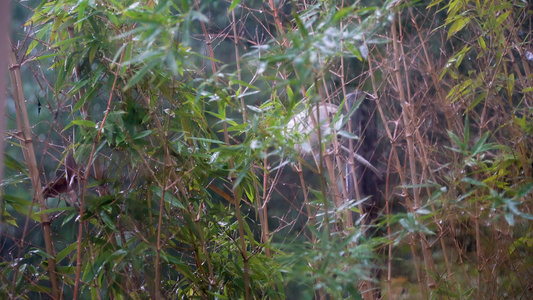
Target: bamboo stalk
{"x": 394, "y": 155}
{"x": 409, "y": 132}
{"x": 240, "y": 221}
{"x": 25, "y": 136}
{"x": 453, "y": 125}
{"x": 367, "y": 290}
{"x": 84, "y": 183}
{"x": 159, "y": 246}
{"x": 5, "y": 9}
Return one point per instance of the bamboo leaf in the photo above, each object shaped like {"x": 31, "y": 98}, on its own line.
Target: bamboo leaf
{"x": 234, "y": 4}
{"x": 458, "y": 25}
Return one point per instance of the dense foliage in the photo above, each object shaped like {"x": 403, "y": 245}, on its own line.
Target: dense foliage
{"x": 148, "y": 153}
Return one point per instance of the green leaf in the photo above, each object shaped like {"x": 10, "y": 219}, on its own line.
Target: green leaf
{"x": 15, "y": 165}
{"x": 56, "y": 209}
{"x": 143, "y": 57}
{"x": 140, "y": 74}
{"x": 66, "y": 251}
{"x": 41, "y": 253}
{"x": 347, "y": 134}
{"x": 456, "y": 140}
{"x": 459, "y": 24}
{"x": 38, "y": 38}
{"x": 7, "y": 218}
{"x": 242, "y": 174}
{"x": 142, "y": 134}
{"x": 477, "y": 148}
{"x": 69, "y": 217}
{"x": 170, "y": 199}
{"x": 473, "y": 182}
{"x": 524, "y": 190}
{"x": 176, "y": 262}
{"x": 509, "y": 217}
{"x": 413, "y": 186}
{"x": 477, "y": 100}
{"x": 342, "y": 13}
{"x": 290, "y": 93}
{"x": 501, "y": 18}
{"x": 108, "y": 221}
{"x": 527, "y": 90}
{"x": 111, "y": 16}
{"x": 60, "y": 79}
{"x": 510, "y": 86}
{"x": 234, "y": 4}
{"x": 81, "y": 13}
{"x": 467, "y": 130}
{"x": 88, "y": 95}
{"x": 94, "y": 47}
{"x": 301, "y": 27}
{"x": 85, "y": 123}
{"x": 206, "y": 140}
{"x": 243, "y": 83}
{"x": 481, "y": 42}
{"x": 66, "y": 42}
{"x": 174, "y": 65}
{"x": 44, "y": 57}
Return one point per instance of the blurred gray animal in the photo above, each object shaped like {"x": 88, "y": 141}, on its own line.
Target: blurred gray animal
{"x": 319, "y": 117}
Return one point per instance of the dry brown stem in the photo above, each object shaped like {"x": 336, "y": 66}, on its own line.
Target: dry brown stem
{"x": 26, "y": 139}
